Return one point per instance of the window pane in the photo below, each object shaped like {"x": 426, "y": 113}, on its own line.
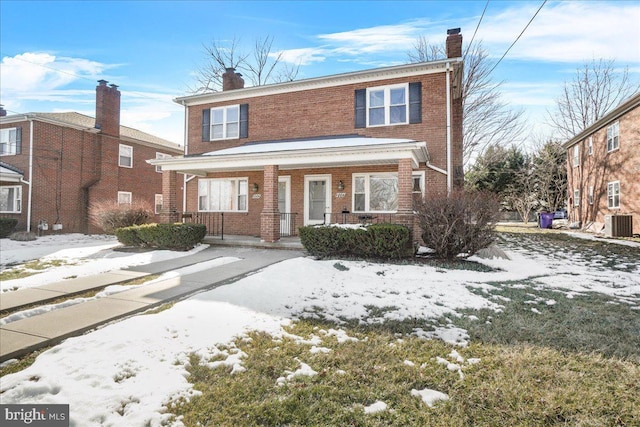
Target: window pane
{"x": 232, "y": 114}
{"x": 383, "y": 194}
{"x": 359, "y": 203}
{"x": 317, "y": 199}
{"x": 232, "y": 130}
{"x": 216, "y": 131}
{"x": 376, "y": 98}
{"x": 360, "y": 184}
{"x": 397, "y": 96}
{"x": 6, "y": 199}
{"x": 242, "y": 203}
{"x": 217, "y": 116}
{"x": 376, "y": 116}
{"x": 398, "y": 114}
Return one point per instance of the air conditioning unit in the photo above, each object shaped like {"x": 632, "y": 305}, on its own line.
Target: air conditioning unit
{"x": 618, "y": 225}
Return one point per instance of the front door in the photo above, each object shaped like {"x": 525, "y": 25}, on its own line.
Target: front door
{"x": 317, "y": 199}
{"x": 284, "y": 205}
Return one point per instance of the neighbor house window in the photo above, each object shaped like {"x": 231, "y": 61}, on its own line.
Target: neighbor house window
{"x": 161, "y": 156}
{"x": 613, "y": 137}
{"x": 388, "y": 105}
{"x": 576, "y": 197}
{"x": 591, "y": 195}
{"x": 10, "y": 141}
{"x": 613, "y": 194}
{"x": 124, "y": 197}
{"x": 225, "y": 122}
{"x": 158, "y": 203}
{"x": 417, "y": 182}
{"x": 125, "y": 156}
{"x": 228, "y": 194}
{"x": 590, "y": 145}
{"x": 11, "y": 199}
{"x": 576, "y": 155}
{"x": 375, "y": 192}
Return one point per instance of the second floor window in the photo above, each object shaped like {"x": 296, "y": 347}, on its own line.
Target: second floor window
{"x": 576, "y": 155}
{"x": 125, "y": 156}
{"x": 225, "y": 122}
{"x": 10, "y": 141}
{"x": 613, "y": 137}
{"x": 387, "y": 105}
{"x": 161, "y": 156}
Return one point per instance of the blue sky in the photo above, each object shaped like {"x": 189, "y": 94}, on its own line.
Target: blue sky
{"x": 53, "y": 52}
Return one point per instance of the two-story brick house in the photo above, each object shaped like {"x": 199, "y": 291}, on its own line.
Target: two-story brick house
{"x": 54, "y": 165}
{"x": 357, "y": 145}
{"x": 603, "y": 164}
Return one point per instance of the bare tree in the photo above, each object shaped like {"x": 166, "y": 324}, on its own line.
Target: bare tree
{"x": 596, "y": 88}
{"x": 487, "y": 119}
{"x": 261, "y": 66}
{"x": 550, "y": 172}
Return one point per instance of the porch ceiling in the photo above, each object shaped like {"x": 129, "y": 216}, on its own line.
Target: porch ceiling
{"x": 312, "y": 153}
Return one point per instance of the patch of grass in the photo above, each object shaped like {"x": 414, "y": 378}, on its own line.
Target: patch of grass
{"x": 159, "y": 308}
{"x": 21, "y": 363}
{"x": 585, "y": 323}
{"x": 511, "y": 385}
{"x": 30, "y": 268}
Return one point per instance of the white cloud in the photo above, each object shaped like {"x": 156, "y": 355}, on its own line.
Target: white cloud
{"x": 303, "y": 56}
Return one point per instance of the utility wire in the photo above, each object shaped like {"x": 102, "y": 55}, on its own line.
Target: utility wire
{"x": 520, "y": 35}
{"x": 475, "y": 31}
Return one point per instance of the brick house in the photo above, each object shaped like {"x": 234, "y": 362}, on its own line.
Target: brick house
{"x": 603, "y": 164}
{"x": 351, "y": 147}
{"x": 53, "y": 165}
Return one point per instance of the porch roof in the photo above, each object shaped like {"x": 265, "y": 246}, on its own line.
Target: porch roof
{"x": 319, "y": 152}
{"x": 10, "y": 174}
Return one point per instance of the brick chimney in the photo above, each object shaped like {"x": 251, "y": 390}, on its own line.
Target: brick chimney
{"x": 232, "y": 80}
{"x": 3, "y": 112}
{"x": 454, "y": 43}
{"x": 108, "y": 108}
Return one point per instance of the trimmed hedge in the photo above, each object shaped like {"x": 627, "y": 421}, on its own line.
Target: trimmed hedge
{"x": 162, "y": 236}
{"x": 7, "y": 225}
{"x": 388, "y": 241}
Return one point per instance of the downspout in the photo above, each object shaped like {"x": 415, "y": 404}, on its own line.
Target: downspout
{"x": 449, "y": 157}
{"x": 186, "y": 151}
{"x": 30, "y": 182}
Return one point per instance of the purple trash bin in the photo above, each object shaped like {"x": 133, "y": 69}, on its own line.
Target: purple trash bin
{"x": 546, "y": 219}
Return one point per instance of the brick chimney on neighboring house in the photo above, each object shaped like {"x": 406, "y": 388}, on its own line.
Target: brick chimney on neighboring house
{"x": 3, "y": 112}
{"x": 108, "y": 108}
{"x": 232, "y": 80}
{"x": 454, "y": 43}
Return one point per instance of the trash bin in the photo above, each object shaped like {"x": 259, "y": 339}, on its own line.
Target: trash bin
{"x": 546, "y": 219}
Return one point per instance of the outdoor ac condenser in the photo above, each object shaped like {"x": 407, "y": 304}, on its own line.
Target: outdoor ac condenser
{"x": 618, "y": 225}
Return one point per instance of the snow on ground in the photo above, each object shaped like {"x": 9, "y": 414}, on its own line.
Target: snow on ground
{"x": 83, "y": 255}
{"x": 126, "y": 372}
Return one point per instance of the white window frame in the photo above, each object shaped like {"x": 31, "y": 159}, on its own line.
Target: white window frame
{"x": 225, "y": 122}
{"x": 613, "y": 195}
{"x": 576, "y": 155}
{"x": 590, "y": 197}
{"x": 122, "y": 154}
{"x": 367, "y": 190}
{"x": 16, "y": 199}
{"x": 206, "y": 183}
{"x": 414, "y": 176}
{"x": 576, "y": 197}
{"x": 387, "y": 104}
{"x": 590, "y": 145}
{"x": 5, "y": 140}
{"x": 123, "y": 196}
{"x": 161, "y": 156}
{"x": 613, "y": 137}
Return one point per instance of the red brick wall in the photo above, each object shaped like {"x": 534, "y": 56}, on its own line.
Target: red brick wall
{"x": 600, "y": 168}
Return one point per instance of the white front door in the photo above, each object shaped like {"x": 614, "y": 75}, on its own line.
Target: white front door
{"x": 317, "y": 198}
{"x": 284, "y": 205}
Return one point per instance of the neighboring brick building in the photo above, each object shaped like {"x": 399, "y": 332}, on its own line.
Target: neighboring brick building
{"x": 603, "y": 164}
{"x": 347, "y": 147}
{"x": 53, "y": 165}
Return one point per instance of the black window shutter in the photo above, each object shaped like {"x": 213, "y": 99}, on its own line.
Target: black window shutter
{"x": 415, "y": 102}
{"x": 206, "y": 125}
{"x": 19, "y": 141}
{"x": 244, "y": 120}
{"x": 361, "y": 108}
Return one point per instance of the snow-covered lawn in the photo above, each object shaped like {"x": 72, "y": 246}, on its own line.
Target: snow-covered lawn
{"x": 126, "y": 373}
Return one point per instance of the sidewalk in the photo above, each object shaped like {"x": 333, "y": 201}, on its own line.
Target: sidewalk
{"x": 26, "y": 335}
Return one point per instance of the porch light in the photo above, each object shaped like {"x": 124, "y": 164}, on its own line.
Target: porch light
{"x": 255, "y": 187}
{"x": 340, "y": 185}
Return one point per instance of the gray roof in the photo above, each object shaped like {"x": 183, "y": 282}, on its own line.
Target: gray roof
{"x": 77, "y": 119}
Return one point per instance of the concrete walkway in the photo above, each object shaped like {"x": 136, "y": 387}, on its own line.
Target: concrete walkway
{"x": 26, "y": 335}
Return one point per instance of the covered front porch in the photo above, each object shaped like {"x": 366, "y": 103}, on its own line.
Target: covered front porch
{"x": 268, "y": 190}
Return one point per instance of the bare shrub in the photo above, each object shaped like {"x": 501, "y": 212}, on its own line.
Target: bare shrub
{"x": 458, "y": 225}
{"x": 23, "y": 236}
{"x": 109, "y": 215}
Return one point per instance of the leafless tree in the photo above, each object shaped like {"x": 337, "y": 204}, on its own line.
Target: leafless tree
{"x": 487, "y": 119}
{"x": 550, "y": 172}
{"x": 260, "y": 66}
{"x": 596, "y": 88}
